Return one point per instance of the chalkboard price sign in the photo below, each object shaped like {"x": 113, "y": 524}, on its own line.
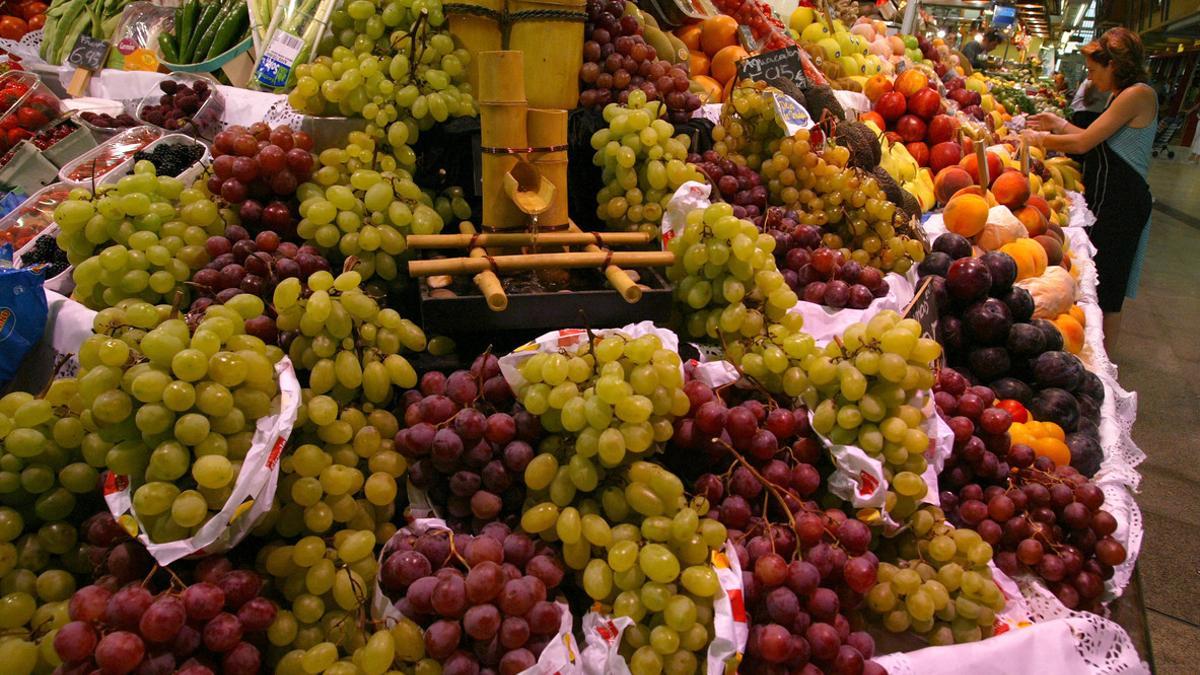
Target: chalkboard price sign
{"x": 780, "y": 65}
{"x": 88, "y": 53}
{"x": 924, "y": 309}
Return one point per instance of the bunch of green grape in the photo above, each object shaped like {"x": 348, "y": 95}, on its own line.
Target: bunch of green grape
{"x": 726, "y": 281}
{"x": 326, "y": 585}
{"x": 176, "y": 412}
{"x": 391, "y": 63}
{"x": 355, "y": 206}
{"x": 617, "y": 400}
{"x": 343, "y": 472}
{"x": 940, "y": 585}
{"x": 643, "y": 163}
{"x": 642, "y": 550}
{"x": 141, "y": 238}
{"x": 847, "y": 203}
{"x": 34, "y": 589}
{"x": 863, "y": 388}
{"x": 749, "y": 126}
{"x": 347, "y": 343}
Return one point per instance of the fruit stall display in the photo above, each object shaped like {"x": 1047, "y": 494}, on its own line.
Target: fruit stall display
{"x": 871, "y": 431}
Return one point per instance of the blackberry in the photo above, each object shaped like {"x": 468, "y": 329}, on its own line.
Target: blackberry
{"x": 172, "y": 159}
{"x": 45, "y": 251}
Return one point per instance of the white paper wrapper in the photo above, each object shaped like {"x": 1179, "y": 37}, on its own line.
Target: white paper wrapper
{"x": 602, "y": 633}
{"x": 253, "y": 491}
{"x": 561, "y": 655}
{"x": 570, "y": 339}
{"x": 688, "y": 197}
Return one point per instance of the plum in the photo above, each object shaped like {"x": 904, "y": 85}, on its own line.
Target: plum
{"x": 968, "y": 279}
{"x": 1025, "y": 340}
{"x": 1020, "y": 303}
{"x": 954, "y": 245}
{"x": 1086, "y": 453}
{"x": 1003, "y": 269}
{"x": 937, "y": 291}
{"x": 1089, "y": 409}
{"x": 1058, "y": 406}
{"x": 1011, "y": 387}
{"x": 989, "y": 363}
{"x": 1054, "y": 340}
{"x": 987, "y": 322}
{"x": 950, "y": 334}
{"x": 1092, "y": 386}
{"x": 936, "y": 263}
{"x": 1058, "y": 369}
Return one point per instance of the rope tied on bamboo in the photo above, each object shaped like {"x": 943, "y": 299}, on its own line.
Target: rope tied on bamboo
{"x": 546, "y": 15}
{"x": 477, "y": 10}
{"x": 523, "y": 151}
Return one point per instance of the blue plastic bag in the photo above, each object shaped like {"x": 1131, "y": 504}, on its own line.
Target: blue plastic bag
{"x": 22, "y": 317}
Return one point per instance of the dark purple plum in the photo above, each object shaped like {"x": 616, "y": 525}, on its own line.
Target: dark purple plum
{"x": 989, "y": 363}
{"x": 1025, "y": 340}
{"x": 1058, "y": 406}
{"x": 1020, "y": 304}
{"x": 1011, "y": 387}
{"x": 968, "y": 279}
{"x": 1058, "y": 369}
{"x": 987, "y": 322}
{"x": 936, "y": 263}
{"x": 954, "y": 245}
{"x": 1003, "y": 269}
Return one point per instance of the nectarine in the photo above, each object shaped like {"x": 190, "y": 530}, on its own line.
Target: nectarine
{"x": 948, "y": 181}
{"x": 1011, "y": 189}
{"x": 1039, "y": 202}
{"x": 1033, "y": 220}
{"x": 970, "y": 162}
{"x": 1054, "y": 251}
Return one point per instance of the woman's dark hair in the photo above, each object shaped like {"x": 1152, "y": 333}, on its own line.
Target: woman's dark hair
{"x": 1122, "y": 48}
{"x": 994, "y": 36}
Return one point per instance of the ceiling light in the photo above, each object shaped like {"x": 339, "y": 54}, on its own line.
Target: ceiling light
{"x": 1079, "y": 14}
{"x": 941, "y": 33}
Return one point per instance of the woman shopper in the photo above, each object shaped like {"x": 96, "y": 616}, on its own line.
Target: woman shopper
{"x": 1117, "y": 192}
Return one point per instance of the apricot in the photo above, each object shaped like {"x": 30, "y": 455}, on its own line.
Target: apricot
{"x": 1011, "y": 189}
{"x": 966, "y": 215}
{"x": 949, "y": 181}
{"x": 1033, "y": 220}
{"x": 1072, "y": 332}
{"x": 1077, "y": 313}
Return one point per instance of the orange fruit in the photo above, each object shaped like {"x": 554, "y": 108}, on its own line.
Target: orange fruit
{"x": 724, "y": 62}
{"x": 1053, "y": 448}
{"x": 718, "y": 32}
{"x": 690, "y": 35}
{"x": 697, "y": 63}
{"x": 712, "y": 88}
{"x": 1076, "y": 313}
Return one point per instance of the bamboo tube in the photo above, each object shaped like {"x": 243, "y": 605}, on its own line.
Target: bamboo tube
{"x": 487, "y": 281}
{"x": 548, "y": 129}
{"x": 981, "y": 159}
{"x": 539, "y": 261}
{"x": 502, "y": 125}
{"x": 621, "y": 282}
{"x": 575, "y": 237}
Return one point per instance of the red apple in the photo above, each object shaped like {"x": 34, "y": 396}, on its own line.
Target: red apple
{"x": 892, "y": 137}
{"x": 925, "y": 103}
{"x": 911, "y": 128}
{"x": 920, "y": 152}
{"x": 956, "y": 83}
{"x": 961, "y": 96}
{"x": 943, "y": 154}
{"x": 891, "y": 105}
{"x": 942, "y": 128}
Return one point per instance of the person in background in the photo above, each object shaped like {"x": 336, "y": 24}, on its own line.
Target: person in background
{"x": 1118, "y": 193}
{"x": 976, "y": 51}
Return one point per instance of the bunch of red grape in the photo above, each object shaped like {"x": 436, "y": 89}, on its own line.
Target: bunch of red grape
{"x": 617, "y": 60}
{"x": 203, "y": 628}
{"x": 244, "y": 264}
{"x": 114, "y": 555}
{"x": 805, "y": 568}
{"x": 1039, "y": 518}
{"x": 481, "y": 601}
{"x": 738, "y": 184}
{"x": 469, "y": 444}
{"x": 816, "y": 272}
{"x": 259, "y": 168}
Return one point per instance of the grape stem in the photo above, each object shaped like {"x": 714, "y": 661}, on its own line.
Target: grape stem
{"x": 58, "y": 365}
{"x": 774, "y": 490}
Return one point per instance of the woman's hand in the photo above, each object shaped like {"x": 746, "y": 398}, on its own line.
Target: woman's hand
{"x": 1046, "y": 121}
{"x": 1033, "y": 138}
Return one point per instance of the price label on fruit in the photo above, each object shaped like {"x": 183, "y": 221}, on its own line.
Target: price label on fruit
{"x": 88, "y": 53}
{"x": 780, "y": 65}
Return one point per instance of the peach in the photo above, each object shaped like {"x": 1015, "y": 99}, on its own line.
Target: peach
{"x": 1076, "y": 313}
{"x": 948, "y": 181}
{"x": 1054, "y": 251}
{"x": 1056, "y": 231}
{"x": 1033, "y": 220}
{"x": 966, "y": 214}
{"x": 1011, "y": 189}
{"x": 1039, "y": 202}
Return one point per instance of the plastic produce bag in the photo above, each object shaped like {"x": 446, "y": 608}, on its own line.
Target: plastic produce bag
{"x": 23, "y": 314}
{"x": 135, "y": 42}
{"x": 253, "y": 490}
{"x": 825, "y": 322}
{"x": 570, "y": 339}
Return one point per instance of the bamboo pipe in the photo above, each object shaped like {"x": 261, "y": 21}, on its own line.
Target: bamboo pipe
{"x": 508, "y": 239}
{"x": 487, "y": 281}
{"x": 539, "y": 261}
{"x": 616, "y": 276}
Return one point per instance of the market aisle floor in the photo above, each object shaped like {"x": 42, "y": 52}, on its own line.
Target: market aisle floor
{"x": 1159, "y": 358}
